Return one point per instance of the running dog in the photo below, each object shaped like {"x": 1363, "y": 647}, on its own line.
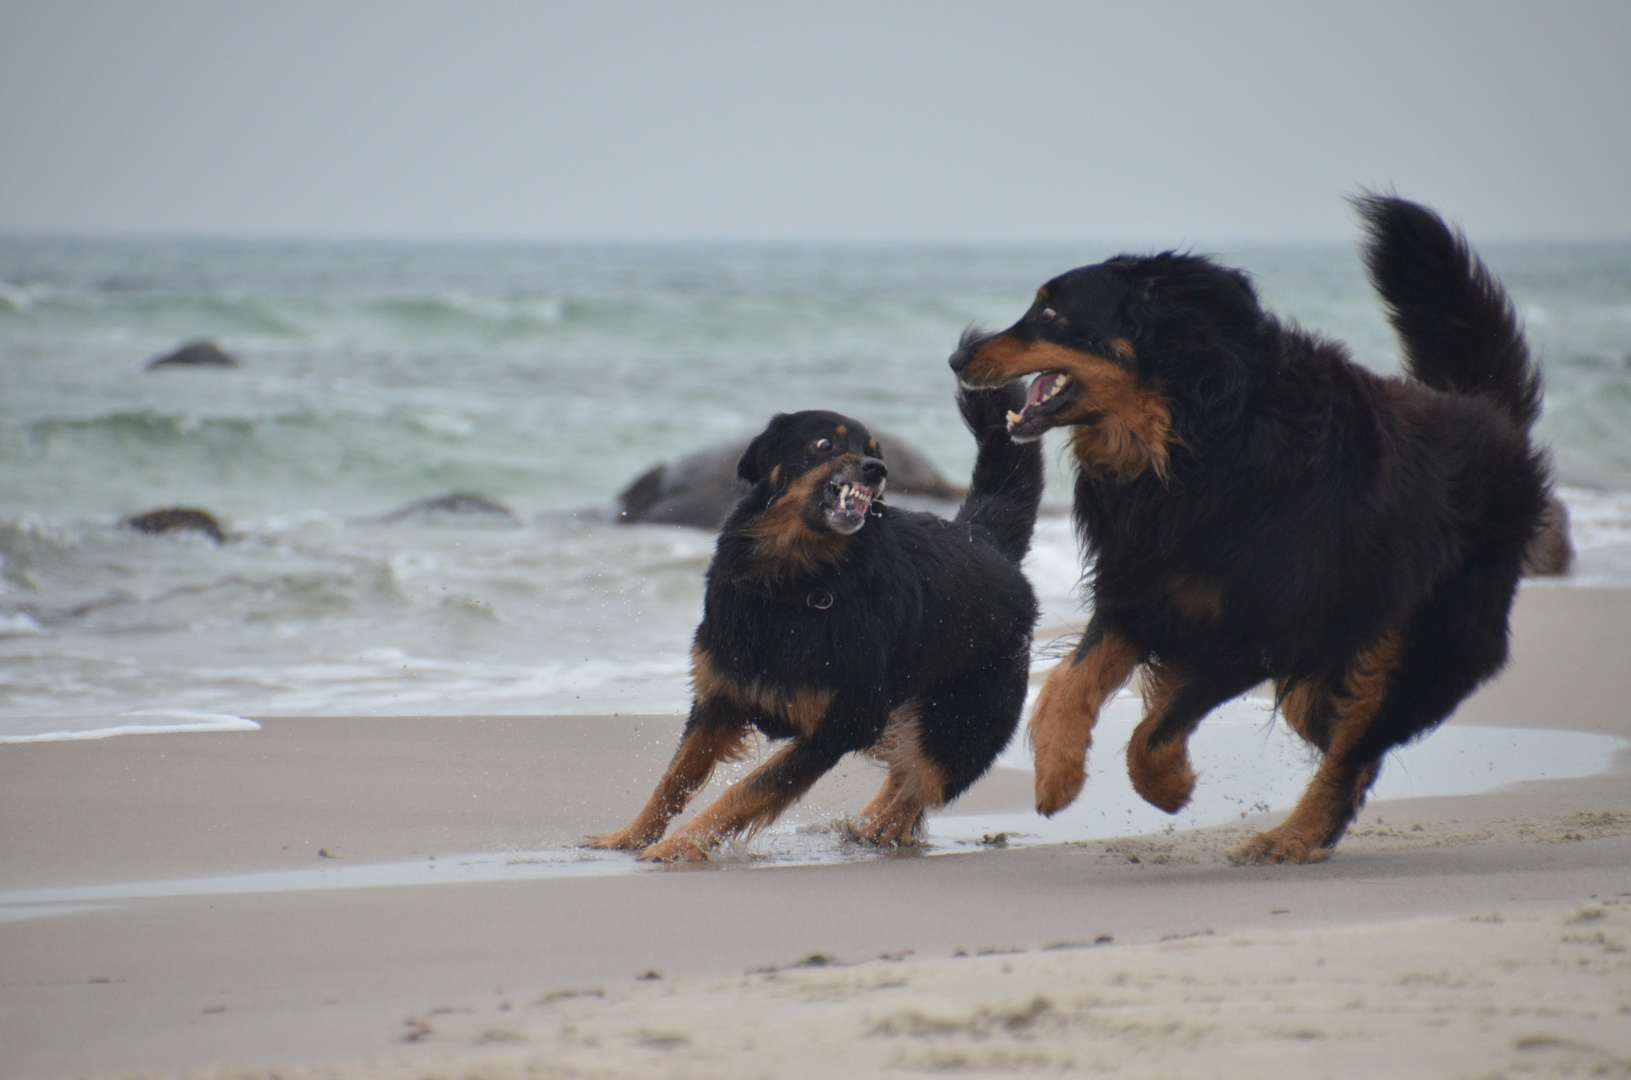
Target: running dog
{"x": 1255, "y": 505}
{"x": 842, "y": 625}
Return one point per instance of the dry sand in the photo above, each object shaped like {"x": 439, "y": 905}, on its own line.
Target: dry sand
{"x": 1477, "y": 936}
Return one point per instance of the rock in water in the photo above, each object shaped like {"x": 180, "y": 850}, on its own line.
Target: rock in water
{"x": 194, "y": 354}
{"x": 700, "y": 489}
{"x": 177, "y": 519}
{"x": 455, "y": 504}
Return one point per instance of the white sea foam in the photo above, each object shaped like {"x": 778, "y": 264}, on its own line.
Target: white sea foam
{"x": 19, "y": 624}
{"x": 1600, "y": 525}
{"x": 136, "y": 722}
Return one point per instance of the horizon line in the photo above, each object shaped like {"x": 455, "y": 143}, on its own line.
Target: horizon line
{"x": 1126, "y": 240}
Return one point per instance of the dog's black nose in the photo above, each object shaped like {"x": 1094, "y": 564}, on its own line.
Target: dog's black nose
{"x": 873, "y": 471}
{"x": 967, "y": 346}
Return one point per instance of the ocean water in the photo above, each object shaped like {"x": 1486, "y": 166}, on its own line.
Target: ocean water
{"x": 545, "y": 378}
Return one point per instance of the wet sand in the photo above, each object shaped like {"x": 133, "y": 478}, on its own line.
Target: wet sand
{"x": 1480, "y": 935}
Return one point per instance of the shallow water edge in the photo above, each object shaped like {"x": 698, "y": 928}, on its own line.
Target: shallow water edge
{"x": 1246, "y": 748}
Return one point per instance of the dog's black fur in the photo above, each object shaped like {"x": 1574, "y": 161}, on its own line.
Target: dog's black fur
{"x": 1254, "y": 505}
{"x": 842, "y": 624}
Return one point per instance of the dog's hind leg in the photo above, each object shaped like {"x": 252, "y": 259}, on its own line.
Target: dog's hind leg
{"x": 1176, "y": 699}
{"x": 716, "y": 732}
{"x": 1349, "y": 766}
{"x": 939, "y": 744}
{"x": 1305, "y": 705}
{"x": 1399, "y": 687}
{"x": 894, "y": 815}
{"x": 753, "y": 802}
{"x": 1068, "y": 708}
{"x": 880, "y": 811}
{"x": 914, "y": 785}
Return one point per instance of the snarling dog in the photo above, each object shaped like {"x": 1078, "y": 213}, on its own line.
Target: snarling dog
{"x": 1256, "y": 506}
{"x": 841, "y": 625}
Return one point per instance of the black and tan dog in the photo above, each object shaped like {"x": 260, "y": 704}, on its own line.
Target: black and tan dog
{"x": 840, "y": 624}
{"x": 1257, "y": 506}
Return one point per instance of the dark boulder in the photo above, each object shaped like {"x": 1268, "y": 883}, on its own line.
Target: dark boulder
{"x": 177, "y": 519}
{"x": 1551, "y": 552}
{"x": 458, "y": 504}
{"x": 700, "y": 489}
{"x": 194, "y": 354}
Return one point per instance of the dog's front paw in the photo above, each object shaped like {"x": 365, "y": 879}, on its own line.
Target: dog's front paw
{"x": 624, "y": 839}
{"x": 986, "y": 409}
{"x": 1277, "y": 846}
{"x": 888, "y": 833}
{"x": 1061, "y": 729}
{"x": 1060, "y": 774}
{"x": 1163, "y": 775}
{"x": 675, "y": 849}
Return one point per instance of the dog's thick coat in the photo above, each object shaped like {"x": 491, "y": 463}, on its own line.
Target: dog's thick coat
{"x": 841, "y": 624}
{"x": 1257, "y": 506}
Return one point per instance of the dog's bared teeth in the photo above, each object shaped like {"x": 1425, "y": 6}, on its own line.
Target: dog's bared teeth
{"x": 1055, "y": 384}
{"x": 1046, "y": 387}
{"x": 1014, "y": 418}
{"x": 852, "y": 497}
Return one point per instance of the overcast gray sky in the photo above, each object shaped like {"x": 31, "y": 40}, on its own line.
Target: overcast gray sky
{"x": 1157, "y": 121}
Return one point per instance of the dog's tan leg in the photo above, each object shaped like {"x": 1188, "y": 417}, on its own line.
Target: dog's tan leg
{"x": 1305, "y": 707}
{"x": 914, "y": 787}
{"x": 1067, "y": 709}
{"x": 702, "y": 747}
{"x": 1339, "y": 786}
{"x": 1162, "y": 776}
{"x": 1177, "y": 697}
{"x": 886, "y": 795}
{"x": 894, "y": 823}
{"x": 750, "y": 803}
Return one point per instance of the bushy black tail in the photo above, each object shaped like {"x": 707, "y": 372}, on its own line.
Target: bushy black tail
{"x": 1007, "y": 484}
{"x": 1457, "y": 325}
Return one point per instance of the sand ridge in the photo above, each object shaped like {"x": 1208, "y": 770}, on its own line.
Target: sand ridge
{"x": 1494, "y": 994}
{"x": 1531, "y": 993}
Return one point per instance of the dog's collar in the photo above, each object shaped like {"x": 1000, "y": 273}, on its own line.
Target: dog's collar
{"x": 818, "y": 599}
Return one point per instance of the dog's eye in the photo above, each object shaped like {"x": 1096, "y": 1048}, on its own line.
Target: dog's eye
{"x": 823, "y": 445}
{"x": 1047, "y": 314}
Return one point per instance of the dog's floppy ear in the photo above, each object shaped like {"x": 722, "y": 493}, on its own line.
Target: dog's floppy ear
{"x": 756, "y": 460}
{"x": 1193, "y": 287}
{"x": 1140, "y": 302}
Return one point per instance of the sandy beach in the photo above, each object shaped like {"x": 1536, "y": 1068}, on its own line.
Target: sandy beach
{"x": 163, "y": 912}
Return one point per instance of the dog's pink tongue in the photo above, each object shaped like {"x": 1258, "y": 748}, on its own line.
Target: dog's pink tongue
{"x": 1040, "y": 386}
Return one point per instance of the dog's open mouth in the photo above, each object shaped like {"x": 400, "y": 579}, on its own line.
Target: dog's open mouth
{"x": 1049, "y": 394}
{"x": 847, "y": 504}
